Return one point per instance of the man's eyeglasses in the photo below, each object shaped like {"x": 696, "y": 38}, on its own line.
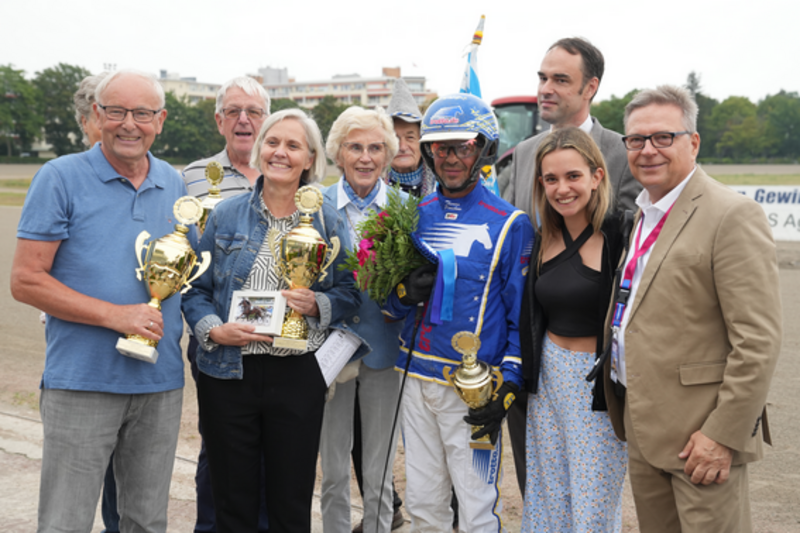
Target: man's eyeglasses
{"x": 373, "y": 149}
{"x": 659, "y": 139}
{"x": 118, "y": 114}
{"x": 462, "y": 150}
{"x": 254, "y": 113}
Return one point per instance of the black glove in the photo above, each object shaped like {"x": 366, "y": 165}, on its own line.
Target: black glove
{"x": 417, "y": 286}
{"x": 491, "y": 415}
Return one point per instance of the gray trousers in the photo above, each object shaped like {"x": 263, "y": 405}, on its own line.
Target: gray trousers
{"x": 377, "y": 394}
{"x": 81, "y": 429}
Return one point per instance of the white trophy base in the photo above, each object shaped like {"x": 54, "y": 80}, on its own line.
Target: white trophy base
{"x": 294, "y": 344}
{"x": 137, "y": 350}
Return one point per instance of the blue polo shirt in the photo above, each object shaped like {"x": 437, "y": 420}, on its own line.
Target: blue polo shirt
{"x": 97, "y": 214}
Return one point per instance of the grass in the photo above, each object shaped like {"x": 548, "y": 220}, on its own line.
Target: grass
{"x": 12, "y": 199}
{"x": 15, "y": 184}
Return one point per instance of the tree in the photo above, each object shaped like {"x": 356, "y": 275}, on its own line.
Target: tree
{"x": 190, "y": 131}
{"x": 740, "y": 133}
{"x": 705, "y": 106}
{"x": 780, "y": 114}
{"x": 326, "y": 112}
{"x": 19, "y": 122}
{"x": 57, "y": 85}
{"x": 282, "y": 103}
{"x": 610, "y": 113}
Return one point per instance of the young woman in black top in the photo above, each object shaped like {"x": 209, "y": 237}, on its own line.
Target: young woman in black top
{"x": 575, "y": 464}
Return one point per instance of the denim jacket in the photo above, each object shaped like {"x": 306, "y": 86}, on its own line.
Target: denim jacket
{"x": 234, "y": 234}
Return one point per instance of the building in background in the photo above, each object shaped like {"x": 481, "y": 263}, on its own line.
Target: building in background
{"x": 348, "y": 89}
{"x": 194, "y": 90}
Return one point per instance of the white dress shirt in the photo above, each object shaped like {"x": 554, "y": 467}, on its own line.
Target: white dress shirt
{"x": 652, "y": 213}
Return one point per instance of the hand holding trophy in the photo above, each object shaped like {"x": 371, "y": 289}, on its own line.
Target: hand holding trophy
{"x": 214, "y": 175}
{"x": 167, "y": 265}
{"x": 301, "y": 257}
{"x": 472, "y": 380}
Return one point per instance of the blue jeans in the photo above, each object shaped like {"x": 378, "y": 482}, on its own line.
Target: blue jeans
{"x": 81, "y": 430}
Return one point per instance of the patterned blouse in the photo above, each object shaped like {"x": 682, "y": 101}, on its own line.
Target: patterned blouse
{"x": 264, "y": 277}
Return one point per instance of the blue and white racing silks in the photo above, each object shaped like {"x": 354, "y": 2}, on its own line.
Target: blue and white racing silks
{"x": 492, "y": 243}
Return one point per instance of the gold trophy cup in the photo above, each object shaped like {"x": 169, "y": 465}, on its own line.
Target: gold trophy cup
{"x": 472, "y": 380}
{"x": 167, "y": 265}
{"x": 301, "y": 257}
{"x": 214, "y": 175}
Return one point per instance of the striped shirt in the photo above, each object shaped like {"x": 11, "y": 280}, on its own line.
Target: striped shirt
{"x": 233, "y": 182}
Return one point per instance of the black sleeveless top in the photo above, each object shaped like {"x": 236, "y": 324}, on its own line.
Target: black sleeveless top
{"x": 568, "y": 291}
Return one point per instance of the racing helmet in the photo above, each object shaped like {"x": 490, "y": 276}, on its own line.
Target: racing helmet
{"x": 460, "y": 117}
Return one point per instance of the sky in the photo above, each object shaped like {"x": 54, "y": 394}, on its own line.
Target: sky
{"x": 739, "y": 48}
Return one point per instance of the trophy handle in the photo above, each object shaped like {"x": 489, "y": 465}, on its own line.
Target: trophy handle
{"x": 448, "y": 375}
{"x": 201, "y": 267}
{"x": 139, "y": 246}
{"x": 498, "y": 376}
{"x": 332, "y": 254}
{"x": 274, "y": 244}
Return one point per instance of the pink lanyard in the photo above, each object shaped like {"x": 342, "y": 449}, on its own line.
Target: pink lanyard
{"x": 630, "y": 268}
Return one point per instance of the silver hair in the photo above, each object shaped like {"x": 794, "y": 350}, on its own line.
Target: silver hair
{"x": 84, "y": 98}
{"x": 157, "y": 88}
{"x": 358, "y": 118}
{"x": 313, "y": 138}
{"x": 666, "y": 95}
{"x": 248, "y": 85}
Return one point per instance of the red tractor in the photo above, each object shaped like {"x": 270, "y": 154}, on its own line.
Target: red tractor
{"x": 518, "y": 118}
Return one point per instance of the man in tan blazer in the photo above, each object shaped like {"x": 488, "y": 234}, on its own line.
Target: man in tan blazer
{"x": 695, "y": 346}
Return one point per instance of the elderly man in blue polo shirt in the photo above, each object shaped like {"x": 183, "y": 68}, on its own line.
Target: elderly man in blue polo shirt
{"x": 75, "y": 260}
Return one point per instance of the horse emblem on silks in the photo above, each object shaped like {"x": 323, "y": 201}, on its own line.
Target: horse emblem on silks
{"x": 458, "y": 237}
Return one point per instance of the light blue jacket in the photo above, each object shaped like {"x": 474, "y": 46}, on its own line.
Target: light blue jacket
{"x": 369, "y": 323}
{"x": 234, "y": 234}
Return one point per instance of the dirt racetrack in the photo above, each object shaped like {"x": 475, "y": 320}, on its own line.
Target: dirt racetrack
{"x": 774, "y": 482}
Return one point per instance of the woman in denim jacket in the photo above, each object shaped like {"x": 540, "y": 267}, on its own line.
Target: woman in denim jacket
{"x": 255, "y": 398}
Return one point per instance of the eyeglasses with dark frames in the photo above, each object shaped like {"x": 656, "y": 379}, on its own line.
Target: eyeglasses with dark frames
{"x": 462, "y": 149}
{"x": 254, "y": 113}
{"x": 118, "y": 114}
{"x": 659, "y": 139}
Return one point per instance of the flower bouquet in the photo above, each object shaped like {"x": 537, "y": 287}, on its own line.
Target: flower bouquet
{"x": 386, "y": 253}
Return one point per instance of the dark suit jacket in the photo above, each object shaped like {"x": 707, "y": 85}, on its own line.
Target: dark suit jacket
{"x": 704, "y": 330}
{"x": 516, "y": 181}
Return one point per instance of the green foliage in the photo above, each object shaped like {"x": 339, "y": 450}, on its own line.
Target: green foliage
{"x": 780, "y": 115}
{"x": 735, "y": 129}
{"x": 280, "y": 104}
{"x": 20, "y": 124}
{"x": 190, "y": 131}
{"x": 611, "y": 112}
{"x": 386, "y": 254}
{"x": 57, "y": 85}
{"x": 325, "y": 114}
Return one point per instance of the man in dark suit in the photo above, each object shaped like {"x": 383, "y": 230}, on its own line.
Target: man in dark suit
{"x": 569, "y": 77}
{"x": 694, "y": 346}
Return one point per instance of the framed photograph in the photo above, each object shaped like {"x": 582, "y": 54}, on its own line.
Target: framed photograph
{"x": 262, "y": 309}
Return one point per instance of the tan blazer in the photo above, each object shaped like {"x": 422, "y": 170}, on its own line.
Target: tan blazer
{"x": 704, "y": 331}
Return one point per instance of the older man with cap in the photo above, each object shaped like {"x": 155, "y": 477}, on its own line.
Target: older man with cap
{"x": 242, "y": 106}
{"x": 408, "y": 169}
{"x": 95, "y": 400}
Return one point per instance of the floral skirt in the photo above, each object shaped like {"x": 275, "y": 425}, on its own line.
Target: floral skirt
{"x": 575, "y": 463}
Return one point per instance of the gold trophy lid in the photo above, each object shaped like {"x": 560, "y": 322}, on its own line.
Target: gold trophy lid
{"x": 214, "y": 175}
{"x": 308, "y": 200}
{"x": 467, "y": 344}
{"x": 188, "y": 210}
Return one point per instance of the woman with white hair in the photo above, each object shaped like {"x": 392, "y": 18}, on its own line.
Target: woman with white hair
{"x": 362, "y": 143}
{"x": 256, "y": 399}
